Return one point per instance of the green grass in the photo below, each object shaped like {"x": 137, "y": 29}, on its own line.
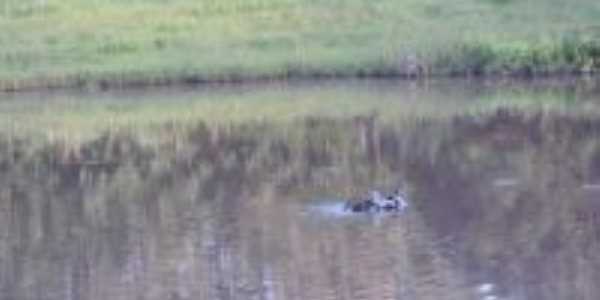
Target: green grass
{"x": 109, "y": 42}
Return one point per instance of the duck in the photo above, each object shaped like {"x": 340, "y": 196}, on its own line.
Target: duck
{"x": 369, "y": 204}
{"x": 362, "y": 206}
{"x": 396, "y": 201}
{"x": 376, "y": 202}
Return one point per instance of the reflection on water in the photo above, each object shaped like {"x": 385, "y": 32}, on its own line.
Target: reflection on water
{"x": 80, "y": 114}
{"x": 501, "y": 208}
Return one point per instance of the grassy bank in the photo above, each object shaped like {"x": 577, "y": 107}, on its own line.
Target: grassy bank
{"x": 80, "y": 42}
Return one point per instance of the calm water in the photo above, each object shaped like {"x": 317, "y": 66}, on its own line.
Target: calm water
{"x": 504, "y": 203}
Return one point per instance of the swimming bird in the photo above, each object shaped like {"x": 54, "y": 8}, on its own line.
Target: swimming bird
{"x": 376, "y": 202}
{"x": 369, "y": 204}
{"x": 362, "y": 206}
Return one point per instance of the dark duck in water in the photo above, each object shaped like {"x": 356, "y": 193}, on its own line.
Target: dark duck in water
{"x": 376, "y": 202}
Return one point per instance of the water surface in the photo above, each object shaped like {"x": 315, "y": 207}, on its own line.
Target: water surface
{"x": 503, "y": 198}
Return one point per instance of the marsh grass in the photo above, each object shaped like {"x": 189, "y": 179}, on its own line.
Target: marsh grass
{"x": 106, "y": 43}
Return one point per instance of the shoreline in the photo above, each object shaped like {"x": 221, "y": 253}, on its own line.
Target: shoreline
{"x": 123, "y": 82}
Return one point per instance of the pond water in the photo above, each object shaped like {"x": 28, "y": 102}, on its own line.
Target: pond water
{"x": 502, "y": 179}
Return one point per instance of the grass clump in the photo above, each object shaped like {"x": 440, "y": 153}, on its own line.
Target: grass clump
{"x": 77, "y": 42}
{"x": 570, "y": 55}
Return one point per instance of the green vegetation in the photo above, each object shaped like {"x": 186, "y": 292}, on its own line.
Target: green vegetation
{"x": 105, "y": 42}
